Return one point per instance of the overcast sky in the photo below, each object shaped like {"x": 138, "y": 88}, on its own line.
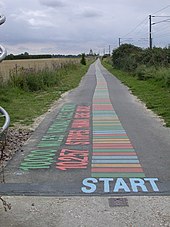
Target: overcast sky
{"x": 76, "y": 26}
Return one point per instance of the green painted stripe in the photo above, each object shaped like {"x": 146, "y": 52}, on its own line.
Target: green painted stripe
{"x": 103, "y": 123}
{"x": 22, "y": 167}
{"x": 53, "y": 138}
{"x": 48, "y": 145}
{"x": 55, "y": 132}
{"x": 110, "y": 137}
{"x": 43, "y": 159}
{"x": 106, "y": 127}
{"x": 58, "y": 127}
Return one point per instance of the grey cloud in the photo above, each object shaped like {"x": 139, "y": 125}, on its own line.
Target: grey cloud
{"x": 33, "y": 18}
{"x": 77, "y": 25}
{"x": 52, "y": 3}
{"x": 1, "y": 4}
{"x": 90, "y": 13}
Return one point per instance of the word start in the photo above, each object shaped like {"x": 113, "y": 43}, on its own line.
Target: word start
{"x": 120, "y": 185}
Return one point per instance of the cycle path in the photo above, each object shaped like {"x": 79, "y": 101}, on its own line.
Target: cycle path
{"x": 100, "y": 140}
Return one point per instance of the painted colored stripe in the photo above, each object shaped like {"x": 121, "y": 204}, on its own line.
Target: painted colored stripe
{"x": 113, "y": 157}
{"x": 113, "y": 150}
{"x": 117, "y": 170}
{"x": 106, "y": 132}
{"x": 113, "y": 153}
{"x": 100, "y": 145}
{"x": 116, "y": 175}
{"x": 116, "y": 165}
{"x": 108, "y": 137}
{"x": 111, "y": 140}
{"x": 115, "y": 161}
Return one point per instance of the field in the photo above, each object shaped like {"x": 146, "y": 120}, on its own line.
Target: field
{"x": 9, "y": 67}
{"x": 35, "y": 84}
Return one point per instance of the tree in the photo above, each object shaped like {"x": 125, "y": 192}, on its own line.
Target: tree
{"x": 91, "y": 52}
{"x": 26, "y": 54}
{"x": 126, "y": 57}
{"x": 83, "y": 60}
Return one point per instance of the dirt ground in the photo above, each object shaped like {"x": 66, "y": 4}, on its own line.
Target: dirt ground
{"x": 15, "y": 139}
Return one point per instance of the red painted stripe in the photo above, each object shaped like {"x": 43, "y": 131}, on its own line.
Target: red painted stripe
{"x": 114, "y": 153}
{"x": 117, "y": 170}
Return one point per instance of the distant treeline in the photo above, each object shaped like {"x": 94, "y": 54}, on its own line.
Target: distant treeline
{"x": 39, "y": 56}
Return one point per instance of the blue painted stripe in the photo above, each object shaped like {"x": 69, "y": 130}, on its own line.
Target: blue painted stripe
{"x": 104, "y": 114}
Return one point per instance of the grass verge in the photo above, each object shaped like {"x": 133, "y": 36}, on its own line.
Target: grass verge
{"x": 24, "y": 105}
{"x": 151, "y": 92}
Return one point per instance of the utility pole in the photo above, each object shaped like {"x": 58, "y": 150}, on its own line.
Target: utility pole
{"x": 119, "y": 41}
{"x": 104, "y": 51}
{"x": 109, "y": 50}
{"x": 150, "y": 31}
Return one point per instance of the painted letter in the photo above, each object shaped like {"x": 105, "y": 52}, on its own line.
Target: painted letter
{"x": 137, "y": 182}
{"x": 106, "y": 183}
{"x": 92, "y": 186}
{"x": 153, "y": 184}
{"x": 120, "y": 184}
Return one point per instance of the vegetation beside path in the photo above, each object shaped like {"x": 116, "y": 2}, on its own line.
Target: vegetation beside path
{"x": 148, "y": 79}
{"x": 30, "y": 91}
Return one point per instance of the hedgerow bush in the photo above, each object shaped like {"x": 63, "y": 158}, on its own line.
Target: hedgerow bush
{"x": 143, "y": 63}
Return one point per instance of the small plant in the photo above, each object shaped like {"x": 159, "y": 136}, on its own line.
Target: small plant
{"x": 7, "y": 206}
{"x": 83, "y": 60}
{"x": 140, "y": 72}
{"x": 167, "y": 80}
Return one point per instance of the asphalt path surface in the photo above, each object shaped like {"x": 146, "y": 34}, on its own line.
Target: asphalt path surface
{"x": 99, "y": 140}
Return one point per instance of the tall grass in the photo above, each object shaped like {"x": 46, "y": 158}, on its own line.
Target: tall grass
{"x": 150, "y": 85}
{"x": 29, "y": 91}
{"x": 160, "y": 74}
{"x": 33, "y": 79}
{"x": 9, "y": 66}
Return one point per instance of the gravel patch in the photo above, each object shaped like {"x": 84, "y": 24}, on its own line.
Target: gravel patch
{"x": 16, "y": 137}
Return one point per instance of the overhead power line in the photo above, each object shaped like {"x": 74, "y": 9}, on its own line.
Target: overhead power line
{"x": 146, "y": 19}
{"x": 138, "y": 25}
{"x": 161, "y": 9}
{"x": 141, "y": 26}
{"x": 160, "y": 16}
{"x": 168, "y": 20}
